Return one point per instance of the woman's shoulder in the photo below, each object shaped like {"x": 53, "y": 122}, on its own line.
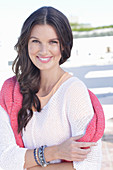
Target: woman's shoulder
{"x": 75, "y": 83}
{"x": 10, "y": 93}
{"x": 7, "y": 89}
{"x": 10, "y": 82}
{"x": 75, "y": 87}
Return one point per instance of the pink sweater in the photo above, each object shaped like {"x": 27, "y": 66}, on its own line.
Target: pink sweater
{"x": 11, "y": 101}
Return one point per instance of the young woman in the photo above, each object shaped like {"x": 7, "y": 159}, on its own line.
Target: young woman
{"x": 44, "y": 110}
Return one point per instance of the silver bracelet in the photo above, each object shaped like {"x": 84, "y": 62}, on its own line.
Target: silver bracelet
{"x": 41, "y": 157}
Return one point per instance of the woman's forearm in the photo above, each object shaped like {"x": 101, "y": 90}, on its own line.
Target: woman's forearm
{"x": 50, "y": 154}
{"x": 59, "y": 166}
{"x": 68, "y": 150}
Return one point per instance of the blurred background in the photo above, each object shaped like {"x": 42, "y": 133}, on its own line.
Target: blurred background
{"x": 92, "y": 54}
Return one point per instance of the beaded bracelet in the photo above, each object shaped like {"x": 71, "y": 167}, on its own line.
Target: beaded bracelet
{"x": 36, "y": 155}
{"x": 41, "y": 157}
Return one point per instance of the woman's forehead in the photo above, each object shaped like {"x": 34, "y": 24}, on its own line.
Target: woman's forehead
{"x": 43, "y": 30}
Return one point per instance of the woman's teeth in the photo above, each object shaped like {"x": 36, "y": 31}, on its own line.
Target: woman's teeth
{"x": 44, "y": 59}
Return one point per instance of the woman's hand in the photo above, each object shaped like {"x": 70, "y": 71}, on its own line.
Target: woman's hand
{"x": 71, "y": 150}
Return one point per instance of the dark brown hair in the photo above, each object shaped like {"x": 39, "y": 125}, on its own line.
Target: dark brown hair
{"x": 28, "y": 75}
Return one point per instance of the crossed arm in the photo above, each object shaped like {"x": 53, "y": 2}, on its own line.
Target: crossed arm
{"x": 69, "y": 150}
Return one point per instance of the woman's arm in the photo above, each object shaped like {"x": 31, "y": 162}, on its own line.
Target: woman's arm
{"x": 13, "y": 157}
{"x": 69, "y": 150}
{"x": 80, "y": 113}
{"x": 59, "y": 166}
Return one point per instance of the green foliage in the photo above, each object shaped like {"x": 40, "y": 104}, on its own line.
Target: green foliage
{"x": 79, "y": 28}
{"x": 93, "y": 35}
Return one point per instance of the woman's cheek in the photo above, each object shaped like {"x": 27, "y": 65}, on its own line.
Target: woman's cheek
{"x": 56, "y": 50}
{"x": 32, "y": 49}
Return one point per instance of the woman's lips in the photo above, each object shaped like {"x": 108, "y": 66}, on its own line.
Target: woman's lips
{"x": 44, "y": 59}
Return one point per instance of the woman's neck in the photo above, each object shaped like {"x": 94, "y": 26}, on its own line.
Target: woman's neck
{"x": 48, "y": 80}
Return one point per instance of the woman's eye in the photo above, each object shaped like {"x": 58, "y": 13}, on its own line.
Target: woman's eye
{"x": 53, "y": 42}
{"x": 35, "y": 41}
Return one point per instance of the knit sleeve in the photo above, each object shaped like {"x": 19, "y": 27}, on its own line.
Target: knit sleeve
{"x": 79, "y": 108}
{"x": 93, "y": 160}
{"x": 11, "y": 155}
{"x": 80, "y": 113}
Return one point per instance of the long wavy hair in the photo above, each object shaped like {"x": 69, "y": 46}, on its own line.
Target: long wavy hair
{"x": 27, "y": 74}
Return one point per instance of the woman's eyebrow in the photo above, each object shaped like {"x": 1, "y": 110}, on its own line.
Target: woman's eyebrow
{"x": 51, "y": 39}
{"x": 33, "y": 37}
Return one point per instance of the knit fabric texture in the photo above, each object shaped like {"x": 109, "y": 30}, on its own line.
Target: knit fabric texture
{"x": 11, "y": 101}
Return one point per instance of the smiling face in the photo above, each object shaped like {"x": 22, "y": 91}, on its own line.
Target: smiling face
{"x": 44, "y": 47}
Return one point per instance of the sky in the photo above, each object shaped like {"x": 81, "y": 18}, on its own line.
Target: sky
{"x": 14, "y": 12}
{"x": 95, "y": 12}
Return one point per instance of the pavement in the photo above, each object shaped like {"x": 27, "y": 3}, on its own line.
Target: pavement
{"x": 98, "y": 78}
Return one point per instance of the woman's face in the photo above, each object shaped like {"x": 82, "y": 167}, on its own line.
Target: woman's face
{"x": 44, "y": 47}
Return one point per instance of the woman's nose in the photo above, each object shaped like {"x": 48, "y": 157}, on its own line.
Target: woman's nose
{"x": 44, "y": 49}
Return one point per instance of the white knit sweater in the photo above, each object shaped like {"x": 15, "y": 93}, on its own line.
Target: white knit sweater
{"x": 66, "y": 114}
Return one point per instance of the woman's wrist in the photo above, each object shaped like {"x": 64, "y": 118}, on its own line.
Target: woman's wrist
{"x": 51, "y": 153}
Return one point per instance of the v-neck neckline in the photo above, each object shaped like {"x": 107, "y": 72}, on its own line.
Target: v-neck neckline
{"x": 54, "y": 88}
{"x": 49, "y": 98}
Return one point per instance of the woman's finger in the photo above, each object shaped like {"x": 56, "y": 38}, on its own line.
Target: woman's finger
{"x": 82, "y": 151}
{"x": 85, "y": 144}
